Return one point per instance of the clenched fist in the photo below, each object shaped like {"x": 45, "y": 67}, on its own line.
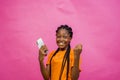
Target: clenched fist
{"x": 78, "y": 49}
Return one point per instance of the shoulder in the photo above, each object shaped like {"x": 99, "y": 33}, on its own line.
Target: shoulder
{"x": 51, "y": 53}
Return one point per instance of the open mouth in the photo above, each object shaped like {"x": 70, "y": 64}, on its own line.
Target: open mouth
{"x": 61, "y": 43}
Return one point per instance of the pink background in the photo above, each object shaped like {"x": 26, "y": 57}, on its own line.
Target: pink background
{"x": 96, "y": 24}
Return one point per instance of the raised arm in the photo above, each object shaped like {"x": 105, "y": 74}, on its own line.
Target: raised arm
{"x": 75, "y": 68}
{"x": 45, "y": 70}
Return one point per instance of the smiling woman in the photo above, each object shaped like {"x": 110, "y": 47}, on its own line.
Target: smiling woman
{"x": 95, "y": 23}
{"x": 63, "y": 37}
{"x": 62, "y": 64}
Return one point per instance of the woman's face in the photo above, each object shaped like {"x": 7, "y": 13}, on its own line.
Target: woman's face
{"x": 63, "y": 39}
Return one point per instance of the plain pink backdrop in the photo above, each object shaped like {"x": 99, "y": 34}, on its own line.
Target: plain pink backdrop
{"x": 95, "y": 23}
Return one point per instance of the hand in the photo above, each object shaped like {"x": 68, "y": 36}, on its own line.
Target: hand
{"x": 42, "y": 52}
{"x": 78, "y": 49}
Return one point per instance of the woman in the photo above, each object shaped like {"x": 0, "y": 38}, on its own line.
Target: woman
{"x": 62, "y": 64}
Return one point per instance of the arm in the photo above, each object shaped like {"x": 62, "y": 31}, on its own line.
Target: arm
{"x": 45, "y": 70}
{"x": 75, "y": 68}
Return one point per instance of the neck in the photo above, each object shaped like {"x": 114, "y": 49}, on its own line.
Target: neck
{"x": 63, "y": 49}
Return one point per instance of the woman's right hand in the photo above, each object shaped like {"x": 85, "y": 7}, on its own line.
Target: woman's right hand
{"x": 42, "y": 53}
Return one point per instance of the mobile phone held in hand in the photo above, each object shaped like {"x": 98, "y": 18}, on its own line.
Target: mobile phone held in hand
{"x": 40, "y": 43}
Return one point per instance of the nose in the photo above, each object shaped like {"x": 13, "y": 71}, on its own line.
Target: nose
{"x": 61, "y": 39}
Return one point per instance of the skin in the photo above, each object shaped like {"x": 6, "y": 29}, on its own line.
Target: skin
{"x": 62, "y": 40}
{"x": 75, "y": 69}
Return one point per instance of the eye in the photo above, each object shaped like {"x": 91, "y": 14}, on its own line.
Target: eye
{"x": 58, "y": 36}
{"x": 65, "y": 37}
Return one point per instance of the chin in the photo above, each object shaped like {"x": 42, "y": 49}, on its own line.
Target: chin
{"x": 62, "y": 48}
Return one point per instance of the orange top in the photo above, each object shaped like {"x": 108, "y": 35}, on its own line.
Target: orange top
{"x": 56, "y": 64}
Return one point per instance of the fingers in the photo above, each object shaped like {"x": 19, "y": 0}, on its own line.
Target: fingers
{"x": 79, "y": 45}
{"x": 78, "y": 49}
{"x": 44, "y": 48}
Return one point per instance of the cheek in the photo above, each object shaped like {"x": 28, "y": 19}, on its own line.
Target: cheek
{"x": 57, "y": 39}
{"x": 67, "y": 40}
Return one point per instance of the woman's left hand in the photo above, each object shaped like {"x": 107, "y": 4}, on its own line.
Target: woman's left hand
{"x": 78, "y": 49}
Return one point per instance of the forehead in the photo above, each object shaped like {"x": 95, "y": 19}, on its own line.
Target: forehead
{"x": 62, "y": 31}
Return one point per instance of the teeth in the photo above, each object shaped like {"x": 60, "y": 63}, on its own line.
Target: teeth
{"x": 61, "y": 43}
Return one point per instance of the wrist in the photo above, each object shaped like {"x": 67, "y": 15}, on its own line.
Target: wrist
{"x": 76, "y": 66}
{"x": 40, "y": 60}
{"x": 76, "y": 61}
{"x": 76, "y": 57}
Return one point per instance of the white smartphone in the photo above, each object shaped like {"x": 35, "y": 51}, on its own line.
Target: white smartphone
{"x": 40, "y": 43}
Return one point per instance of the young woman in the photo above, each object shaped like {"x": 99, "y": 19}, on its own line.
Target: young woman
{"x": 62, "y": 64}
